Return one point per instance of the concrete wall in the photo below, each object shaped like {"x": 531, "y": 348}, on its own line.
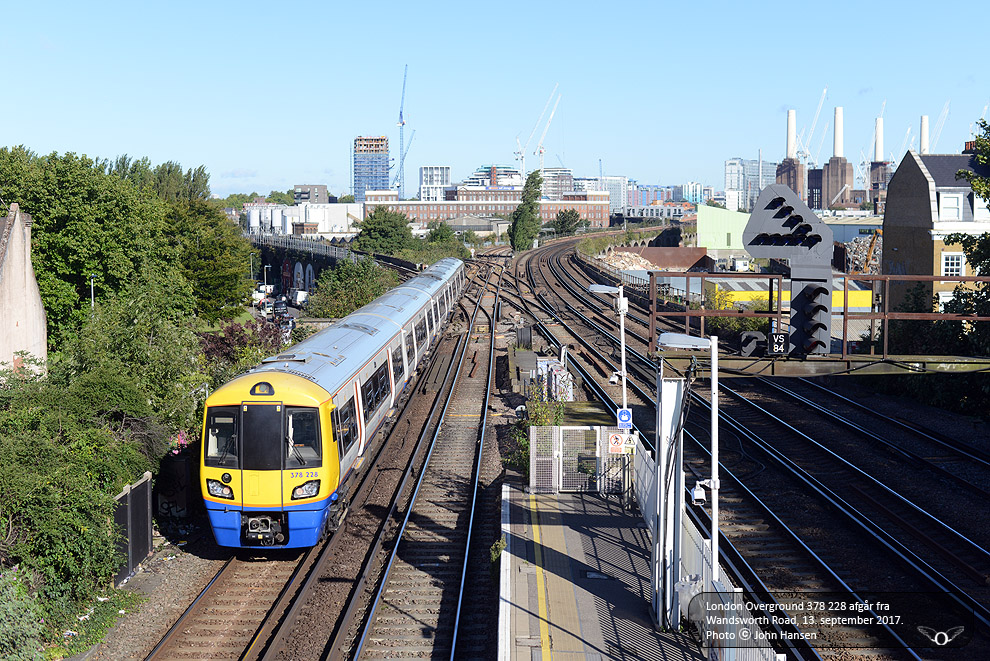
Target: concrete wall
{"x": 721, "y": 229}
{"x": 23, "y": 324}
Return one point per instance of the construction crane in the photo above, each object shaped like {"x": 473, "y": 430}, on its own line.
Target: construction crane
{"x": 402, "y": 129}
{"x": 521, "y": 148}
{"x": 939, "y": 125}
{"x": 821, "y": 142}
{"x": 539, "y": 147}
{"x": 983, "y": 116}
{"x": 838, "y": 195}
{"x": 806, "y": 150}
{"x": 904, "y": 143}
{"x": 402, "y": 158}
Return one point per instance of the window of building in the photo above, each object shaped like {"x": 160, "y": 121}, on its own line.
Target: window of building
{"x": 951, "y": 207}
{"x": 953, "y": 263}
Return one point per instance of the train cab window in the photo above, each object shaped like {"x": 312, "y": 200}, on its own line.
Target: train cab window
{"x": 345, "y": 426}
{"x": 397, "y": 369}
{"x": 375, "y": 391}
{"x": 302, "y": 438}
{"x": 220, "y": 439}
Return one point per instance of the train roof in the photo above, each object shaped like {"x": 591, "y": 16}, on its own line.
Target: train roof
{"x": 330, "y": 357}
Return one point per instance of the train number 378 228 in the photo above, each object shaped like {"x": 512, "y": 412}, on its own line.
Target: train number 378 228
{"x": 303, "y": 474}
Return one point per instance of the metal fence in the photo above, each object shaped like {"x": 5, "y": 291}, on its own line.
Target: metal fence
{"x": 575, "y": 459}
{"x": 696, "y": 560}
{"x": 132, "y": 517}
{"x": 303, "y": 245}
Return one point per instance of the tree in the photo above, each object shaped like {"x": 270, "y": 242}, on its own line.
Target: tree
{"x": 440, "y": 232}
{"x": 85, "y": 223}
{"x": 470, "y": 238}
{"x": 383, "y": 232}
{"x": 213, "y": 257}
{"x": 713, "y": 203}
{"x": 525, "y": 219}
{"x": 980, "y": 183}
{"x": 345, "y": 199}
{"x": 566, "y": 222}
{"x": 287, "y": 198}
{"x": 348, "y": 286}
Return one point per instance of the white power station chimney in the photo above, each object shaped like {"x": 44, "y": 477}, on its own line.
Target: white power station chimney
{"x": 924, "y": 134}
{"x": 837, "y": 134}
{"x": 792, "y": 134}
{"x": 878, "y": 147}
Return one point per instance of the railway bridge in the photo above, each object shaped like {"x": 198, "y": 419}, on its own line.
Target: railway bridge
{"x": 293, "y": 262}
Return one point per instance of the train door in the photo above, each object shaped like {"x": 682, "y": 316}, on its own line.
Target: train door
{"x": 345, "y": 431}
{"x": 261, "y": 454}
{"x": 407, "y": 338}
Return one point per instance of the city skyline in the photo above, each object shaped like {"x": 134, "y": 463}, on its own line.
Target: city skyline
{"x": 268, "y": 104}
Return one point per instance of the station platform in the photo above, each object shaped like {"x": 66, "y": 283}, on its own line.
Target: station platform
{"x": 575, "y": 582}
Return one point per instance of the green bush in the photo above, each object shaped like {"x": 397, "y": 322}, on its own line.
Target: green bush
{"x": 21, "y": 629}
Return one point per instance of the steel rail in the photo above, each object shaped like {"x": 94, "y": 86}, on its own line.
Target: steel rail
{"x": 383, "y": 581}
{"x": 772, "y": 455}
{"x": 477, "y": 467}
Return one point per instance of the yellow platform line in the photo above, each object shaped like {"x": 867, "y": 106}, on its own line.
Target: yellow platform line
{"x": 540, "y": 589}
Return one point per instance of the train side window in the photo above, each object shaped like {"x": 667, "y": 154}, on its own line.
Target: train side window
{"x": 397, "y": 369}
{"x": 345, "y": 425}
{"x": 410, "y": 349}
{"x": 302, "y": 437}
{"x": 375, "y": 391}
{"x": 421, "y": 332}
{"x": 221, "y": 437}
{"x": 433, "y": 321}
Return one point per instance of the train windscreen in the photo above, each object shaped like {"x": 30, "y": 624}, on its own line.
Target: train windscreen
{"x": 302, "y": 437}
{"x": 221, "y": 437}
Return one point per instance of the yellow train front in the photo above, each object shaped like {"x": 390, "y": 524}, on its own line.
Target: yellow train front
{"x": 270, "y": 467}
{"x": 281, "y": 442}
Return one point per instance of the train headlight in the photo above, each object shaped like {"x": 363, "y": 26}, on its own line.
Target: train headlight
{"x": 307, "y": 490}
{"x": 219, "y": 490}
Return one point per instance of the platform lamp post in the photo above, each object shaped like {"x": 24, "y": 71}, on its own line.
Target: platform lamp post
{"x": 92, "y": 291}
{"x": 681, "y": 341}
{"x": 252, "y": 266}
{"x": 267, "y": 266}
{"x": 621, "y": 307}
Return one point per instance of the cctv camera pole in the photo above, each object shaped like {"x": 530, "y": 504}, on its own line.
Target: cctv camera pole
{"x": 714, "y": 382}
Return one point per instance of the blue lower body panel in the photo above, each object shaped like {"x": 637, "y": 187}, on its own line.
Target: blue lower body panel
{"x": 304, "y": 525}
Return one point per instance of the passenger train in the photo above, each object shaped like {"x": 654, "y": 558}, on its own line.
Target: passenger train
{"x": 280, "y": 441}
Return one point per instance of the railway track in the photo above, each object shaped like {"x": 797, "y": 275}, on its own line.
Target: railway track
{"x": 416, "y": 611}
{"x": 751, "y": 530}
{"x": 261, "y": 605}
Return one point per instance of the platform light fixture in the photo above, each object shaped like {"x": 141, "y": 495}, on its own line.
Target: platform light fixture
{"x": 621, "y": 307}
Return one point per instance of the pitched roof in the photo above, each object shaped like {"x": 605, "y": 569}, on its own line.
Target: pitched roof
{"x": 943, "y": 168}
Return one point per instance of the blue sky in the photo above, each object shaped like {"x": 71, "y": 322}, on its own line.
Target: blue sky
{"x": 270, "y": 95}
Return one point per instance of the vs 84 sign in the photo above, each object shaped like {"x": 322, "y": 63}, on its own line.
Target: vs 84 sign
{"x": 778, "y": 344}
